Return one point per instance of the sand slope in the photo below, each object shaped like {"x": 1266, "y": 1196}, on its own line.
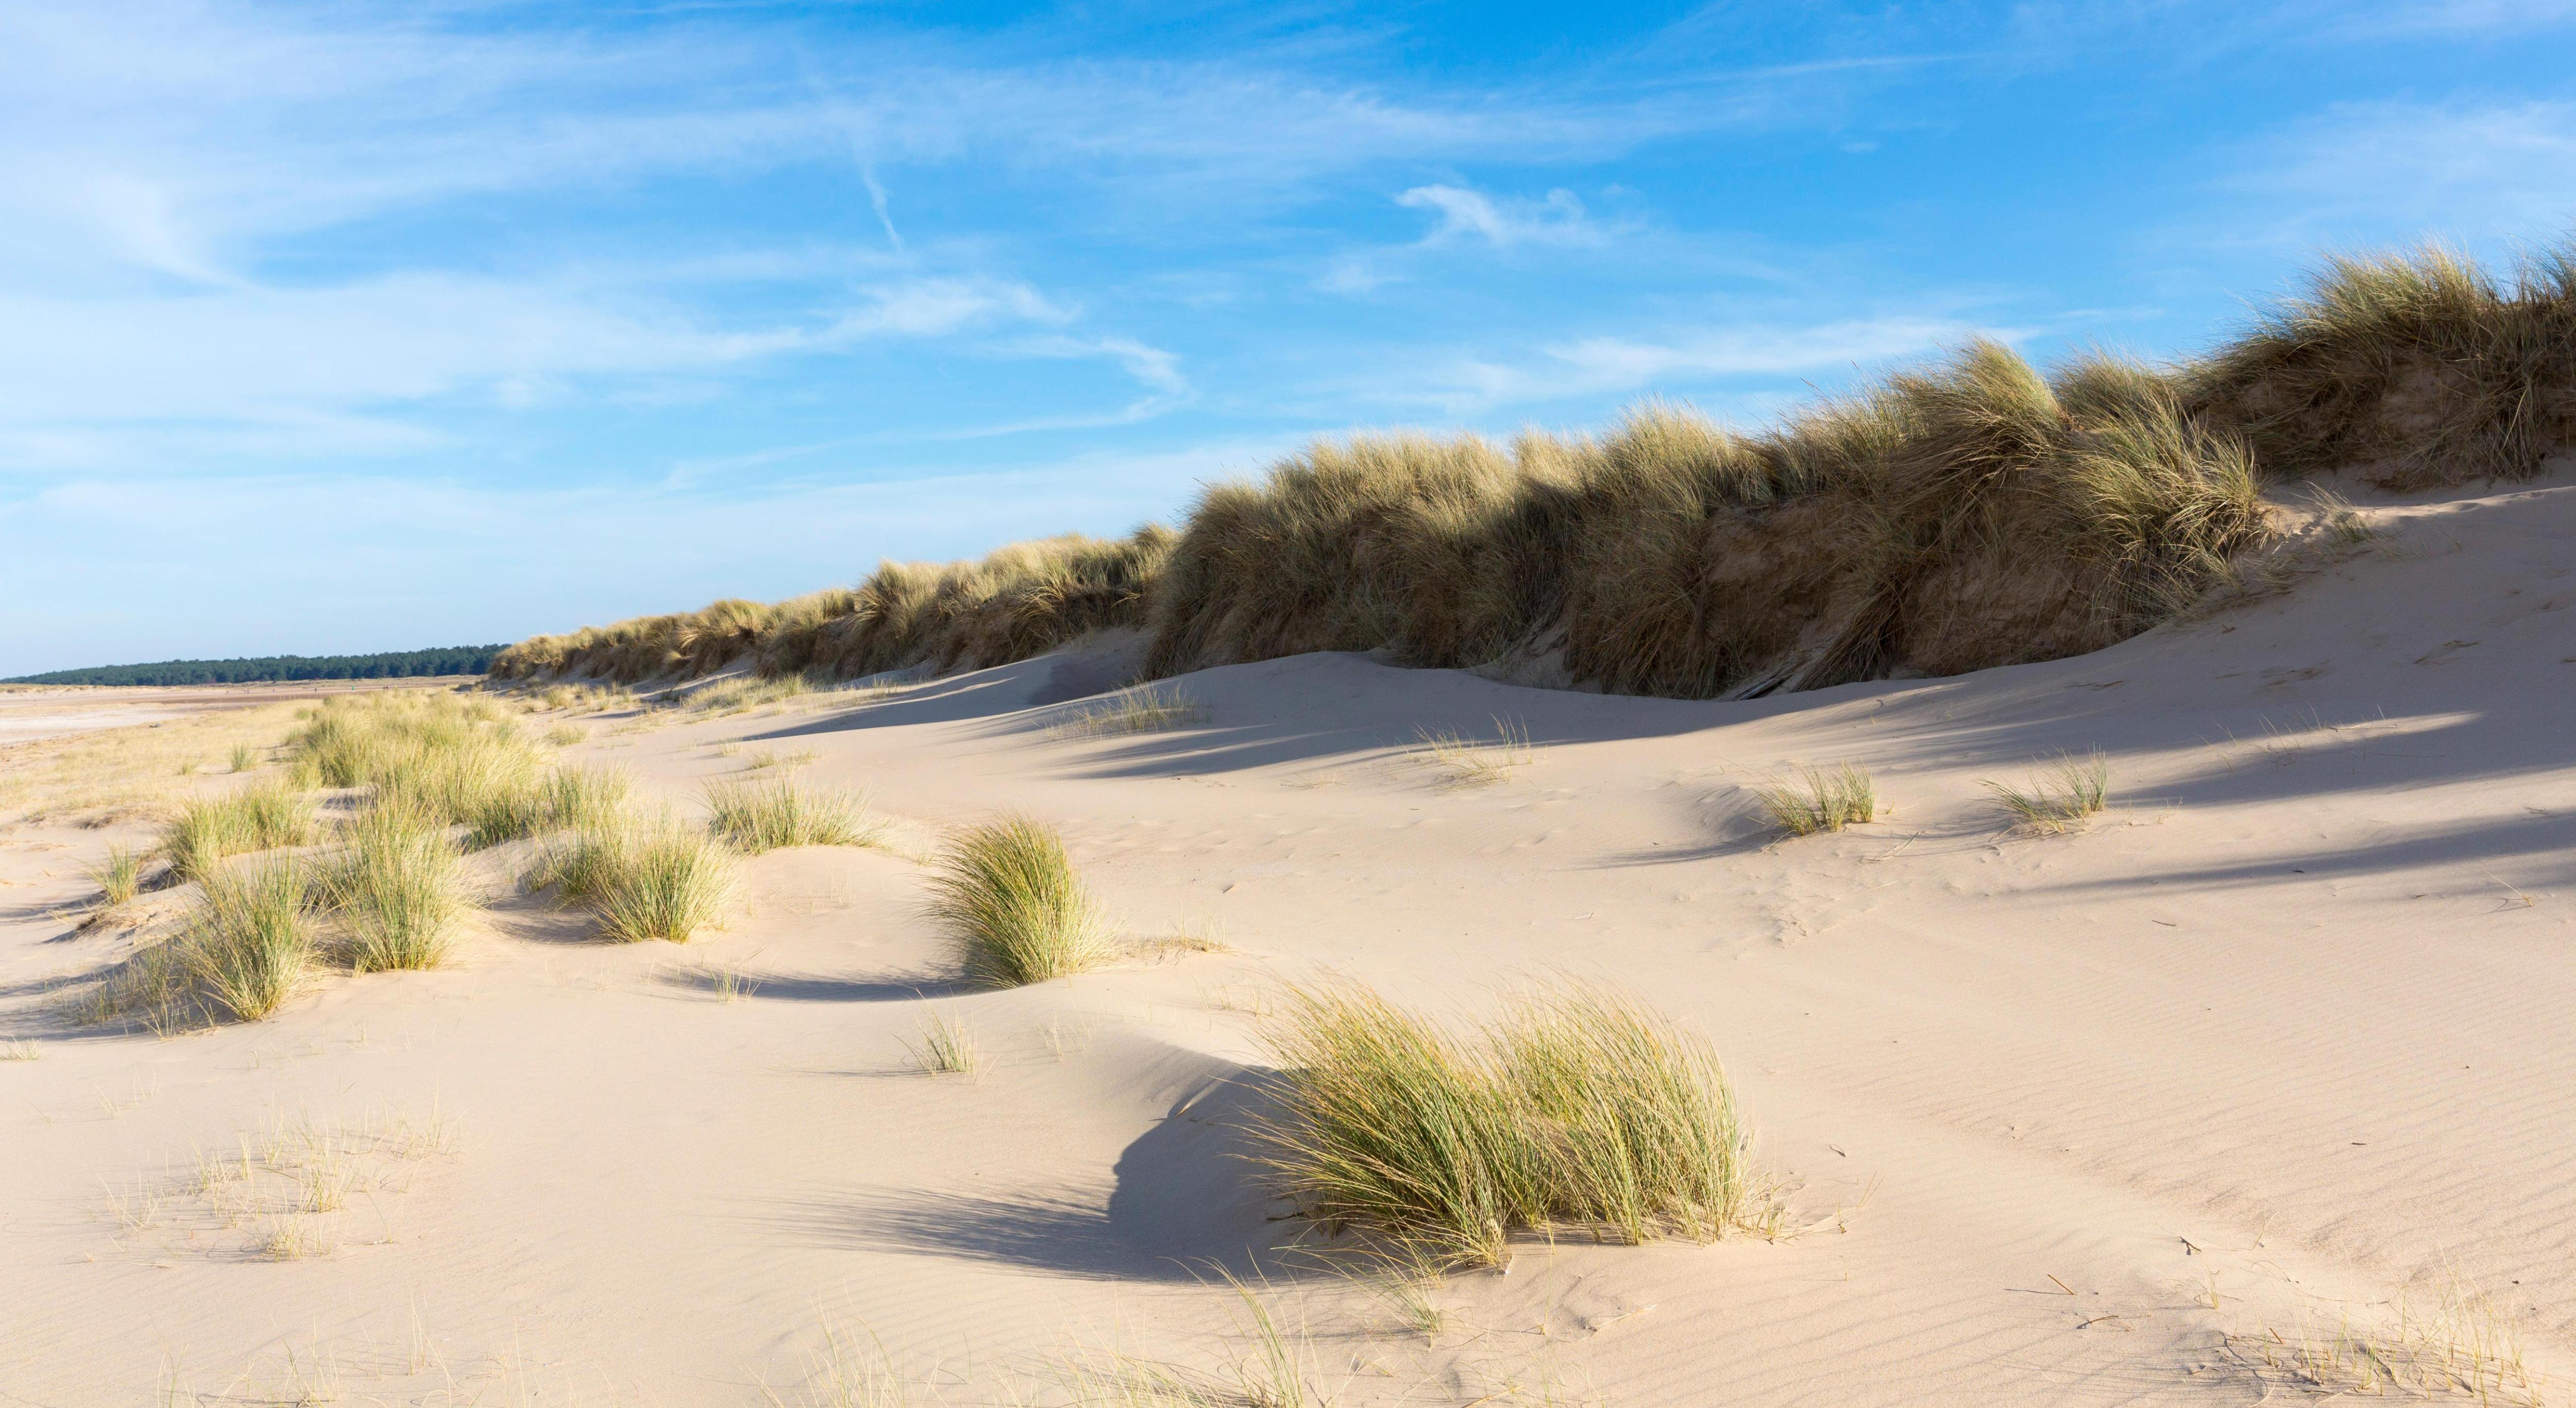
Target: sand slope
{"x": 2280, "y": 1038}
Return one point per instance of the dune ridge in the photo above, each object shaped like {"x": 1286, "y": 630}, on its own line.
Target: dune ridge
{"x": 1943, "y": 519}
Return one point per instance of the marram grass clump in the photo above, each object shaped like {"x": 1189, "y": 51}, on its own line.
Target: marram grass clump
{"x": 753, "y": 817}
{"x": 119, "y": 878}
{"x": 1012, "y": 906}
{"x": 645, "y": 878}
{"x": 1820, "y": 800}
{"x": 1573, "y": 1108}
{"x": 207, "y": 830}
{"x": 243, "y": 948}
{"x": 397, "y": 888}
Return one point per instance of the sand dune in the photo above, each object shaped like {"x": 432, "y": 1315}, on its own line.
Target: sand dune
{"x": 2119, "y": 1116}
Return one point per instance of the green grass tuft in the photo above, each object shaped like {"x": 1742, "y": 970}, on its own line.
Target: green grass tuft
{"x": 209, "y": 829}
{"x": 1012, "y": 905}
{"x": 753, "y": 817}
{"x": 244, "y": 946}
{"x": 249, "y": 942}
{"x": 119, "y": 877}
{"x": 946, "y": 1048}
{"x": 1821, "y": 801}
{"x": 1575, "y": 1108}
{"x": 645, "y": 879}
{"x": 398, "y": 887}
{"x": 2061, "y": 797}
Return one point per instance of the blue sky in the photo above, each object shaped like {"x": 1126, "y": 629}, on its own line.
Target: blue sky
{"x": 363, "y": 326}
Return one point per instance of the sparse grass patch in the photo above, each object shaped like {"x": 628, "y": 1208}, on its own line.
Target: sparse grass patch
{"x": 119, "y": 878}
{"x": 1464, "y": 761}
{"x": 243, "y": 948}
{"x": 767, "y": 759}
{"x": 2060, "y": 798}
{"x": 244, "y": 757}
{"x": 209, "y": 829}
{"x": 946, "y": 1047}
{"x": 2460, "y": 1351}
{"x": 1012, "y": 905}
{"x": 750, "y": 692}
{"x": 753, "y": 817}
{"x": 1575, "y": 1108}
{"x": 123, "y": 772}
{"x": 1143, "y": 708}
{"x": 19, "y": 1051}
{"x": 1821, "y": 801}
{"x": 292, "y": 1237}
{"x": 398, "y": 887}
{"x": 565, "y": 735}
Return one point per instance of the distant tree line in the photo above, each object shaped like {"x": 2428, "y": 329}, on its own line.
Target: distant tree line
{"x": 383, "y": 665}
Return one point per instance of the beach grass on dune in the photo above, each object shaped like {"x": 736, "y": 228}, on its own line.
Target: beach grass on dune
{"x": 753, "y": 817}
{"x": 580, "y": 797}
{"x": 118, "y": 877}
{"x": 1968, "y": 511}
{"x": 207, "y": 830}
{"x": 249, "y": 942}
{"x": 244, "y": 946}
{"x": 1574, "y": 1107}
{"x": 1820, "y": 800}
{"x": 397, "y": 887}
{"x": 2060, "y": 797}
{"x": 1152, "y": 707}
{"x": 1012, "y": 906}
{"x": 644, "y": 877}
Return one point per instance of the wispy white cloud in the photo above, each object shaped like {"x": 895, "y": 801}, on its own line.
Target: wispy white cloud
{"x": 1613, "y": 365}
{"x": 2377, "y": 171}
{"x": 1463, "y": 213}
{"x": 308, "y": 371}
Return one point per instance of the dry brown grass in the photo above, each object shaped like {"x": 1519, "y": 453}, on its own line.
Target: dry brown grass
{"x": 2422, "y": 366}
{"x": 118, "y": 774}
{"x": 1021, "y": 600}
{"x": 1972, "y": 512}
{"x": 1967, "y": 514}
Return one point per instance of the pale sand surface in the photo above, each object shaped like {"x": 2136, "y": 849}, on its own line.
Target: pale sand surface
{"x": 2284, "y": 1036}
{"x": 31, "y": 714}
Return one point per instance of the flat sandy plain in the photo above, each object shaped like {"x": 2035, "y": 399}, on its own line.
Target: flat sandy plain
{"x": 2278, "y": 1045}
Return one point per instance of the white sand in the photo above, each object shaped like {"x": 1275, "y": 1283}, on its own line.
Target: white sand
{"x": 2283, "y": 1037}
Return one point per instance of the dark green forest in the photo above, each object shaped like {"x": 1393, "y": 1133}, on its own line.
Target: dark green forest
{"x": 386, "y": 664}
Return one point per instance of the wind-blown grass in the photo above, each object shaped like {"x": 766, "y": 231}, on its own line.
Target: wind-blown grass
{"x": 1143, "y": 708}
{"x": 207, "y": 830}
{"x": 2060, "y": 798}
{"x": 456, "y": 762}
{"x": 119, "y": 877}
{"x": 1574, "y": 1108}
{"x": 1970, "y": 512}
{"x": 460, "y": 762}
{"x": 398, "y": 887}
{"x": 1012, "y": 906}
{"x": 1820, "y": 801}
{"x": 645, "y": 878}
{"x": 753, "y": 817}
{"x": 587, "y": 797}
{"x": 243, "y": 948}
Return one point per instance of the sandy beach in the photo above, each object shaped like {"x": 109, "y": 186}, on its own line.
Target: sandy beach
{"x": 2139, "y": 1114}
